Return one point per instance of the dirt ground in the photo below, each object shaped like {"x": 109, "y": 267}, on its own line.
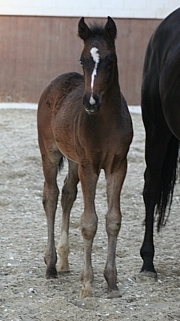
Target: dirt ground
{"x": 25, "y": 294}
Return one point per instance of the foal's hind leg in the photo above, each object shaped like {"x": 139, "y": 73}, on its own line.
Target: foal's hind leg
{"x": 69, "y": 192}
{"x": 113, "y": 223}
{"x": 50, "y": 198}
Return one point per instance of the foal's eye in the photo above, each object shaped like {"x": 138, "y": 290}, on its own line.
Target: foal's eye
{"x": 81, "y": 62}
{"x": 110, "y": 62}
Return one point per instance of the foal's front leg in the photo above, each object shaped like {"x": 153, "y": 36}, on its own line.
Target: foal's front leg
{"x": 88, "y": 226}
{"x": 113, "y": 223}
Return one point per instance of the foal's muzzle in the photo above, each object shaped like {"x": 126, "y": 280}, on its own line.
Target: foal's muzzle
{"x": 92, "y": 104}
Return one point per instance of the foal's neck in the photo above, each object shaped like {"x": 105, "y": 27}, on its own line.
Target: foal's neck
{"x": 113, "y": 92}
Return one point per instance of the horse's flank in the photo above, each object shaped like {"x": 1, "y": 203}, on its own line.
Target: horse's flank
{"x": 161, "y": 116}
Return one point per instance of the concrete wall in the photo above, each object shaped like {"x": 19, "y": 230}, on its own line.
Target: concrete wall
{"x": 33, "y": 50}
{"x": 38, "y": 41}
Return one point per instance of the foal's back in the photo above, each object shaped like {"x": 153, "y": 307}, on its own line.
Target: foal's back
{"x": 64, "y": 88}
{"x": 59, "y": 103}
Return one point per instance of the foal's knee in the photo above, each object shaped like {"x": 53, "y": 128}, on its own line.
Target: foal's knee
{"x": 49, "y": 192}
{"x": 89, "y": 227}
{"x": 50, "y": 196}
{"x": 113, "y": 224}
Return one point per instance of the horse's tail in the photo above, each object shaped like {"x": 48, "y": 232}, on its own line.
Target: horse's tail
{"x": 168, "y": 180}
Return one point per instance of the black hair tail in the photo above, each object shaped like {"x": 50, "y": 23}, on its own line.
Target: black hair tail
{"x": 168, "y": 180}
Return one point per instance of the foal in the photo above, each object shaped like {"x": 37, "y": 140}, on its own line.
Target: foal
{"x": 86, "y": 119}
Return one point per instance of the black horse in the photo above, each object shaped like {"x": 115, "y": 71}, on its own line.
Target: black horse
{"x": 160, "y": 102}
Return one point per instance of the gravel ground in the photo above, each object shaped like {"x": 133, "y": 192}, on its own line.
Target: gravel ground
{"x": 25, "y": 294}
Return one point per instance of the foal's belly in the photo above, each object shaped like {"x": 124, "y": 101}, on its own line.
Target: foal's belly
{"x": 99, "y": 153}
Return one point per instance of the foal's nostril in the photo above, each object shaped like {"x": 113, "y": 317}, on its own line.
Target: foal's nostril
{"x": 84, "y": 100}
{"x": 92, "y": 100}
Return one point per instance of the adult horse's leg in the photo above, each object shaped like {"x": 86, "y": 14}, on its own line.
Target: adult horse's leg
{"x": 69, "y": 192}
{"x": 88, "y": 225}
{"x": 157, "y": 139}
{"x": 113, "y": 223}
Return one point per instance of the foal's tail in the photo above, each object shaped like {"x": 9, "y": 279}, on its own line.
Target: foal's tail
{"x": 168, "y": 180}
{"x": 61, "y": 163}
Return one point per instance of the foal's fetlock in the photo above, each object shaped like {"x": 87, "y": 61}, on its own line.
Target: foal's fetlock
{"x": 86, "y": 290}
{"x": 63, "y": 252}
{"x": 50, "y": 261}
{"x": 63, "y": 265}
{"x": 111, "y": 279}
{"x": 51, "y": 272}
{"x": 113, "y": 290}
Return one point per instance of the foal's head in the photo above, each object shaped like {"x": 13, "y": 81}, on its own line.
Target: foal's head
{"x": 98, "y": 60}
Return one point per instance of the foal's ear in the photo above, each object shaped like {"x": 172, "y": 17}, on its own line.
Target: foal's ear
{"x": 110, "y": 28}
{"x": 83, "y": 30}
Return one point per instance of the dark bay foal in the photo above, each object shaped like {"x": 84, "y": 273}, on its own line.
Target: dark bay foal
{"x": 85, "y": 119}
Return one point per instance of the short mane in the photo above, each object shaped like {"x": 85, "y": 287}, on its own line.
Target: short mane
{"x": 97, "y": 29}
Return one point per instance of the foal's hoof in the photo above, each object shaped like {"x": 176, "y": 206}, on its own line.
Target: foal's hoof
{"x": 114, "y": 294}
{"x": 51, "y": 273}
{"x": 86, "y": 291}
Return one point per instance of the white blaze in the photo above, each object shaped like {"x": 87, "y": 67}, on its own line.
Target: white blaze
{"x": 95, "y": 57}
